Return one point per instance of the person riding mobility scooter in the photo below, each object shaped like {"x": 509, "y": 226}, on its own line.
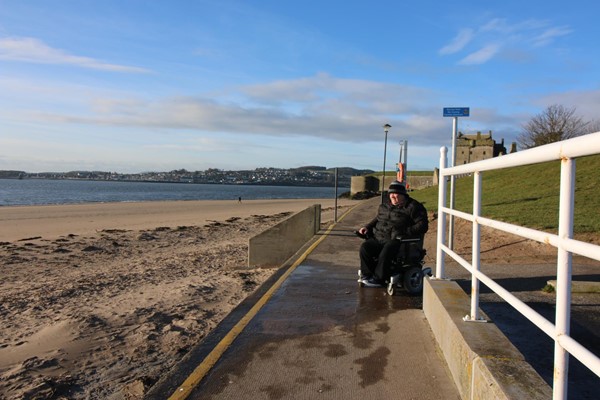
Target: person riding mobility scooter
{"x": 392, "y": 253}
{"x": 406, "y": 268}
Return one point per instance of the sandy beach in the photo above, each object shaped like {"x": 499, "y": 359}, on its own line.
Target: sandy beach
{"x": 52, "y": 221}
{"x": 98, "y": 300}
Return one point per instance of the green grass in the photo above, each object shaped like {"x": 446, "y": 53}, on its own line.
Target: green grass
{"x": 408, "y": 173}
{"x": 419, "y": 173}
{"x": 529, "y": 195}
{"x": 548, "y": 289}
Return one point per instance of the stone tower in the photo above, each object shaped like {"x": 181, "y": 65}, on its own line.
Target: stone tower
{"x": 471, "y": 148}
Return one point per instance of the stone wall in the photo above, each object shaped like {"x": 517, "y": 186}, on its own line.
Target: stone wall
{"x": 482, "y": 361}
{"x": 274, "y": 246}
{"x": 372, "y": 184}
{"x": 364, "y": 184}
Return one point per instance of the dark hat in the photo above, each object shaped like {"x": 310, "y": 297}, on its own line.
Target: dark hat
{"x": 397, "y": 187}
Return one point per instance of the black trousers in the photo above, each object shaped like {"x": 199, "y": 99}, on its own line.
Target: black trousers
{"x": 376, "y": 256}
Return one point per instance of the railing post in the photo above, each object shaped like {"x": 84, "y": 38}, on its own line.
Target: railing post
{"x": 563, "y": 277}
{"x": 441, "y": 233}
{"x": 476, "y": 256}
{"x": 452, "y": 185}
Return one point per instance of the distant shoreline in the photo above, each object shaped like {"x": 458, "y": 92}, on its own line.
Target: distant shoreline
{"x": 77, "y": 191}
{"x": 315, "y": 176}
{"x": 285, "y": 184}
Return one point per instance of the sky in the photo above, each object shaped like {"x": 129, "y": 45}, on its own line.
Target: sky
{"x": 135, "y": 85}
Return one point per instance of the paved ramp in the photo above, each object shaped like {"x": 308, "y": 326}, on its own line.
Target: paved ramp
{"x": 321, "y": 336}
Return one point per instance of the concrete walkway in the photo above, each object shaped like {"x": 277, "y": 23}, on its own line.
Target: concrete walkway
{"x": 318, "y": 335}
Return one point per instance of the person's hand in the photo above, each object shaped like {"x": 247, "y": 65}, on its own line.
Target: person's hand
{"x": 362, "y": 233}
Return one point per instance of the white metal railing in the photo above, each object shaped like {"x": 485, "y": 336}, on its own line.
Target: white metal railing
{"x": 566, "y": 151}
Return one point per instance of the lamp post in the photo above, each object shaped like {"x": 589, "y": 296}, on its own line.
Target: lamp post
{"x": 386, "y": 128}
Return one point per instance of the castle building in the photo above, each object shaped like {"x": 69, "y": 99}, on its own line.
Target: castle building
{"x": 471, "y": 148}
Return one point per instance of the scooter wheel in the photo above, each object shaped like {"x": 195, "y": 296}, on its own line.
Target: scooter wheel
{"x": 413, "y": 280}
{"x": 360, "y": 282}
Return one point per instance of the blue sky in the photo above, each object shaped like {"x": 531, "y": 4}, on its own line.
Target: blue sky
{"x": 132, "y": 85}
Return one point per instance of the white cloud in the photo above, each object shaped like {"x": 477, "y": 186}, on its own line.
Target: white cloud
{"x": 496, "y": 25}
{"x": 322, "y": 106}
{"x": 463, "y": 38}
{"x": 35, "y": 51}
{"x": 481, "y": 56}
{"x": 500, "y": 35}
{"x": 199, "y": 145}
{"x": 586, "y": 102}
{"x": 549, "y": 35}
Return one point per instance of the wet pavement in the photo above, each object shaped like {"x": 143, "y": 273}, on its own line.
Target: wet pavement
{"x": 321, "y": 336}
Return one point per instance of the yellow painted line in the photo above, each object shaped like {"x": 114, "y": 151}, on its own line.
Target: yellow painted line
{"x": 183, "y": 391}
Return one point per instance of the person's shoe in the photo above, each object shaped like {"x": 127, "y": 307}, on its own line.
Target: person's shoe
{"x": 372, "y": 282}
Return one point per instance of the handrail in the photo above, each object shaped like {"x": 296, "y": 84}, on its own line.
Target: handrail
{"x": 566, "y": 151}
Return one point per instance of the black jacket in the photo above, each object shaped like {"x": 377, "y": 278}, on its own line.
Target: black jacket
{"x": 408, "y": 220}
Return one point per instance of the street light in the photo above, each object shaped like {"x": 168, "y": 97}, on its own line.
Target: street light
{"x": 386, "y": 128}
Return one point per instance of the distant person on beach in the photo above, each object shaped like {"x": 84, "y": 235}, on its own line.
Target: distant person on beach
{"x": 401, "y": 217}
{"x": 240, "y": 199}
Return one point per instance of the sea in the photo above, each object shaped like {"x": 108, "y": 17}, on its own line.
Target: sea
{"x": 22, "y": 192}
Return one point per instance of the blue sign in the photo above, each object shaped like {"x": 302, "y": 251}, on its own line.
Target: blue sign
{"x": 456, "y": 111}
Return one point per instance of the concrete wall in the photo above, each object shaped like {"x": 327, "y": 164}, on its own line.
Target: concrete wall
{"x": 275, "y": 245}
{"x": 436, "y": 177}
{"x": 417, "y": 182}
{"x": 482, "y": 361}
{"x": 363, "y": 184}
{"x": 373, "y": 184}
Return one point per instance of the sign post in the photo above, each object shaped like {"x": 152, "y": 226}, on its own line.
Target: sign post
{"x": 453, "y": 112}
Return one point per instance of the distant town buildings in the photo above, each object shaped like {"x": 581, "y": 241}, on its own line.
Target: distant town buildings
{"x": 303, "y": 176}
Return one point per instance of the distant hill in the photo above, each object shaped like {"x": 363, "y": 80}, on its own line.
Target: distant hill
{"x": 351, "y": 171}
{"x": 348, "y": 171}
{"x": 11, "y": 174}
{"x": 303, "y": 176}
{"x": 341, "y": 170}
{"x": 310, "y": 168}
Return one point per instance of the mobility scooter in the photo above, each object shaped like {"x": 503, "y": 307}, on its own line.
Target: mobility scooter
{"x": 407, "y": 270}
